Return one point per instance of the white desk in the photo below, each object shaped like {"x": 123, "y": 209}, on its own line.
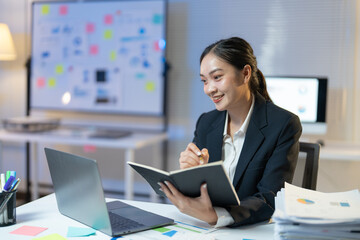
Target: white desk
{"x": 44, "y": 213}
{"x": 70, "y": 137}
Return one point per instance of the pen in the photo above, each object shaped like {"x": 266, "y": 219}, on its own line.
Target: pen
{"x": 13, "y": 173}
{"x": 201, "y": 158}
{"x": 8, "y": 183}
{"x": 2, "y": 177}
{"x": 15, "y": 184}
{"x": 7, "y": 175}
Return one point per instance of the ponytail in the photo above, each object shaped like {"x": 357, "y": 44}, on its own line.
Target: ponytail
{"x": 262, "y": 89}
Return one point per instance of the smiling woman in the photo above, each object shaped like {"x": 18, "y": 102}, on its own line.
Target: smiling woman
{"x": 258, "y": 141}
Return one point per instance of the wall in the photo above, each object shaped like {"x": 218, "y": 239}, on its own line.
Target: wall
{"x": 294, "y": 37}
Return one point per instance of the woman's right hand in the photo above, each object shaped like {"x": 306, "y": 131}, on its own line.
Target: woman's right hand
{"x": 192, "y": 156}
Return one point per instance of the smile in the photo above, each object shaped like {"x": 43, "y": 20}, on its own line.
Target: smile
{"x": 217, "y": 99}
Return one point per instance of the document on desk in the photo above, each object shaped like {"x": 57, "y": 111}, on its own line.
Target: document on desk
{"x": 178, "y": 231}
{"x": 304, "y": 203}
{"x": 306, "y": 214}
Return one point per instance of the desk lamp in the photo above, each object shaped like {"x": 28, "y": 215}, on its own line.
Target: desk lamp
{"x": 7, "y": 49}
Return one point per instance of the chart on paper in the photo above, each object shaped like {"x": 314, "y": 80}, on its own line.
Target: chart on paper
{"x": 179, "y": 230}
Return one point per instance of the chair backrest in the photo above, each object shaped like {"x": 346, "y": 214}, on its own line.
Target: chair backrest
{"x": 306, "y": 170}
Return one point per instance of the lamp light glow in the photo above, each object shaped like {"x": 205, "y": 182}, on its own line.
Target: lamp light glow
{"x": 7, "y": 49}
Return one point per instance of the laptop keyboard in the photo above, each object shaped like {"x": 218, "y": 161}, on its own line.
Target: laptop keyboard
{"x": 120, "y": 223}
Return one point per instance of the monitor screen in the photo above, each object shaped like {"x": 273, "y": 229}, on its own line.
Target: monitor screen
{"x": 99, "y": 56}
{"x": 304, "y": 96}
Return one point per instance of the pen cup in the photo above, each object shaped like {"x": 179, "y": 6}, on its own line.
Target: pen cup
{"x": 7, "y": 208}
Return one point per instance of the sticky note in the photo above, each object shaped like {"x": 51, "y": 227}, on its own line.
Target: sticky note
{"x": 150, "y": 86}
{"x": 40, "y": 82}
{"x": 28, "y": 230}
{"x": 63, "y": 10}
{"x": 90, "y": 28}
{"x": 157, "y": 19}
{"x": 94, "y": 49}
{"x": 113, "y": 55}
{"x": 108, "y": 34}
{"x": 59, "y": 69}
{"x": 45, "y": 9}
{"x": 108, "y": 19}
{"x": 140, "y": 75}
{"x": 80, "y": 232}
{"x": 89, "y": 148}
{"x": 52, "y": 82}
{"x": 156, "y": 46}
{"x": 53, "y": 236}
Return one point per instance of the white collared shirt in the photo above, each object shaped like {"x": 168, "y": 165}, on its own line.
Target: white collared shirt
{"x": 232, "y": 147}
{"x": 230, "y": 154}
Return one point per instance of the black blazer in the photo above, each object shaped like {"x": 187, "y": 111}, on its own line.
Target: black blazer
{"x": 268, "y": 157}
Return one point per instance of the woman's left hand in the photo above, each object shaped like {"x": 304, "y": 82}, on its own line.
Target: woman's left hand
{"x": 200, "y": 207}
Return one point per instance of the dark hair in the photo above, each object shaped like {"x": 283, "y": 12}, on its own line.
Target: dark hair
{"x": 237, "y": 52}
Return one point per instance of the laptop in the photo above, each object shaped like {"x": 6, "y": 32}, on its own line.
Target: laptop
{"x": 80, "y": 196}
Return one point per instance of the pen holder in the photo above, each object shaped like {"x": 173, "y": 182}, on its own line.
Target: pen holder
{"x": 7, "y": 208}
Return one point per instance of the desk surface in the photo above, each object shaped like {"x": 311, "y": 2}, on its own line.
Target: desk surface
{"x": 44, "y": 213}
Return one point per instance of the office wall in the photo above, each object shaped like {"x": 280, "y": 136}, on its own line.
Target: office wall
{"x": 289, "y": 37}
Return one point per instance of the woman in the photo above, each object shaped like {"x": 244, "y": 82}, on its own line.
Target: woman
{"x": 258, "y": 141}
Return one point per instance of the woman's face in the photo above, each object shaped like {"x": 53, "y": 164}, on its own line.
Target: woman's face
{"x": 226, "y": 86}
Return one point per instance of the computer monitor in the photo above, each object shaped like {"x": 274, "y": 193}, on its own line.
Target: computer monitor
{"x": 99, "y": 56}
{"x": 304, "y": 96}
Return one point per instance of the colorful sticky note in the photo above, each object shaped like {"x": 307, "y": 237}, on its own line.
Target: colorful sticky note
{"x": 94, "y": 49}
{"x": 140, "y": 75}
{"x": 90, "y": 27}
{"x": 80, "y": 232}
{"x": 89, "y": 148}
{"x": 45, "y": 9}
{"x": 40, "y": 82}
{"x": 63, "y": 10}
{"x": 157, "y": 18}
{"x": 52, "y": 82}
{"x": 113, "y": 55}
{"x": 59, "y": 69}
{"x": 156, "y": 46}
{"x": 53, "y": 236}
{"x": 108, "y": 34}
{"x": 108, "y": 19}
{"x": 150, "y": 86}
{"x": 28, "y": 230}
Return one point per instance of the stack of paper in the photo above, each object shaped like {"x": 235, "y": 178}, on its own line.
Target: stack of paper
{"x": 306, "y": 214}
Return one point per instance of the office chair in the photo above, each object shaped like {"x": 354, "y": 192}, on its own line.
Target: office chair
{"x": 306, "y": 170}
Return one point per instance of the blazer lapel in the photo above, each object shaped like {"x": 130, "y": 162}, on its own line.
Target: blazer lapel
{"x": 253, "y": 138}
{"x": 214, "y": 138}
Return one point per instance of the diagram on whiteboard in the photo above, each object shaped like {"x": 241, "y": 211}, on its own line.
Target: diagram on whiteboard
{"x": 99, "y": 56}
